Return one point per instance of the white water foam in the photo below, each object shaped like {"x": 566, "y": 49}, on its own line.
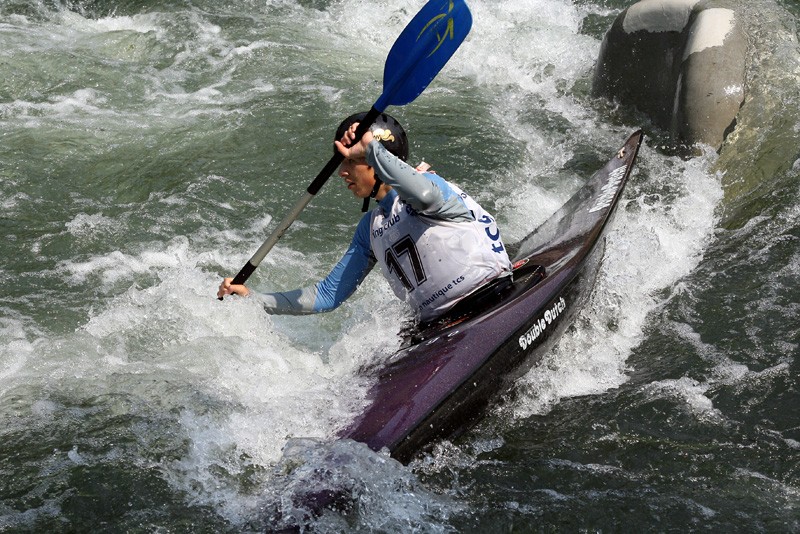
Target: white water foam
{"x": 16, "y": 351}
{"x": 724, "y": 371}
{"x": 142, "y": 23}
{"x": 247, "y": 381}
{"x": 162, "y": 50}
{"x": 653, "y": 242}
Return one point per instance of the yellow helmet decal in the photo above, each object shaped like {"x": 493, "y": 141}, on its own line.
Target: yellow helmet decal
{"x": 383, "y": 135}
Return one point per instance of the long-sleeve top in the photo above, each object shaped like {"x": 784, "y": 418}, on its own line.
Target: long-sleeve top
{"x": 427, "y": 195}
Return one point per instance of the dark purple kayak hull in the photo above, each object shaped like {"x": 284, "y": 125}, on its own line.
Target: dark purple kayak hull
{"x": 438, "y": 387}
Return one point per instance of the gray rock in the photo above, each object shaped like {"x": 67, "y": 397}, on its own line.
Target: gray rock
{"x": 681, "y": 62}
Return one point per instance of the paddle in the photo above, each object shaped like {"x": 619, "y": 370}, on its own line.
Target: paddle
{"x": 419, "y": 53}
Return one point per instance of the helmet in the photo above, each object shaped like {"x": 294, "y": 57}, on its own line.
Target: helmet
{"x": 386, "y": 129}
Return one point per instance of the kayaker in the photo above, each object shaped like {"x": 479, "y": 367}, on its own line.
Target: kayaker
{"x": 435, "y": 244}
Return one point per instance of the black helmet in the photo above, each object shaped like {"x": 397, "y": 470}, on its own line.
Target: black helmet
{"x": 386, "y": 129}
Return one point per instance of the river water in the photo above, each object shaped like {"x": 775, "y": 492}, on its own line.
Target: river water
{"x": 147, "y": 147}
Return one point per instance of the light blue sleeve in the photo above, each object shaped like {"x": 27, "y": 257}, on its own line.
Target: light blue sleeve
{"x": 348, "y": 274}
{"x": 428, "y": 193}
{"x": 334, "y": 289}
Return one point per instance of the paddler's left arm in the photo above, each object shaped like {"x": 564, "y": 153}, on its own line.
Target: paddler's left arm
{"x": 427, "y": 193}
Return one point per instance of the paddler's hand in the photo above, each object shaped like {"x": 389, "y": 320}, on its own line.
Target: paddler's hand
{"x": 357, "y": 151}
{"x": 226, "y": 288}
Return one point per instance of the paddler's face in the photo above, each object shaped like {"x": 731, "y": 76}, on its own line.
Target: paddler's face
{"x": 358, "y": 177}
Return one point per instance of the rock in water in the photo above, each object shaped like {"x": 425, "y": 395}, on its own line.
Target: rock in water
{"x": 681, "y": 62}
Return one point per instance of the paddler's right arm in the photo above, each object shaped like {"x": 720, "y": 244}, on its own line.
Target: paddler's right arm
{"x": 331, "y": 291}
{"x": 427, "y": 193}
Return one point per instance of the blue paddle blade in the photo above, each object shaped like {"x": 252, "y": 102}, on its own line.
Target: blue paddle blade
{"x": 425, "y": 45}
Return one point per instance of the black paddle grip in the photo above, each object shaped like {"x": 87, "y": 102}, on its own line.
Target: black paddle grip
{"x": 242, "y": 275}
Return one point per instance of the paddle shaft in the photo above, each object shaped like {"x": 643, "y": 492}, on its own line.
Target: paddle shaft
{"x": 313, "y": 188}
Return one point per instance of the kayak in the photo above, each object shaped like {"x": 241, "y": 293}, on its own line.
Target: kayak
{"x": 447, "y": 374}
